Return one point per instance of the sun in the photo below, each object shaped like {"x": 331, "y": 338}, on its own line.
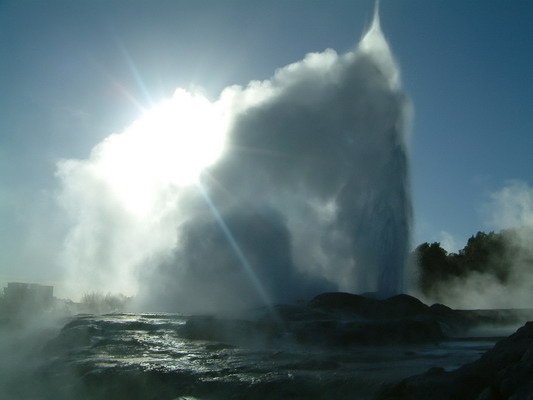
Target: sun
{"x": 183, "y": 136}
{"x": 168, "y": 146}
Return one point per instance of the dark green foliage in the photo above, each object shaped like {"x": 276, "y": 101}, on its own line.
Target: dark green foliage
{"x": 435, "y": 265}
{"x": 488, "y": 253}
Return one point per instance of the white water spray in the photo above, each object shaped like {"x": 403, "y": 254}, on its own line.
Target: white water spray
{"x": 312, "y": 184}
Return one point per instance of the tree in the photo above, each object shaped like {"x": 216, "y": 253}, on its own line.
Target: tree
{"x": 486, "y": 253}
{"x": 435, "y": 265}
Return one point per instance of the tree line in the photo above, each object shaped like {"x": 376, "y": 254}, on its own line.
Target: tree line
{"x": 487, "y": 253}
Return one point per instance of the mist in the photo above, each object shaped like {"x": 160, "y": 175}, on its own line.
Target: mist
{"x": 272, "y": 192}
{"x": 508, "y": 211}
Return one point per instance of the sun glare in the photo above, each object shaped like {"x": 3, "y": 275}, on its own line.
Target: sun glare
{"x": 167, "y": 147}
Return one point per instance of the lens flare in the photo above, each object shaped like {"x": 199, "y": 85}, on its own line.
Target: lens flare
{"x": 168, "y": 146}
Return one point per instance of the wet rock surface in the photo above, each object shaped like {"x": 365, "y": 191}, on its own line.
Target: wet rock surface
{"x": 505, "y": 372}
{"x": 400, "y": 306}
{"x": 338, "y": 346}
{"x": 140, "y": 356}
{"x": 330, "y": 319}
{"x": 344, "y": 319}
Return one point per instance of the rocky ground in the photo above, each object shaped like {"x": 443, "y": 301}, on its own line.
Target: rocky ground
{"x": 343, "y": 319}
{"x": 338, "y": 345}
{"x": 503, "y": 373}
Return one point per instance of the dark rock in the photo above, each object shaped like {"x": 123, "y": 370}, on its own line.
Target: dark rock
{"x": 285, "y": 312}
{"x": 335, "y": 333}
{"x": 231, "y": 331}
{"x": 400, "y": 306}
{"x": 331, "y": 319}
{"x": 440, "y": 308}
{"x": 343, "y": 302}
{"x": 74, "y": 335}
{"x": 504, "y": 372}
{"x": 402, "y": 331}
{"x": 218, "y": 346}
{"x": 341, "y": 319}
{"x": 404, "y": 305}
{"x": 314, "y": 364}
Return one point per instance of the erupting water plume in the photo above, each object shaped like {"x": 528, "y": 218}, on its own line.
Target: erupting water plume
{"x": 273, "y": 192}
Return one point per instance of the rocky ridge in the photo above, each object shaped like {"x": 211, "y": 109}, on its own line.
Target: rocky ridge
{"x": 503, "y": 373}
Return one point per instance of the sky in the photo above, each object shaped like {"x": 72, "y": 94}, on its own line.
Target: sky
{"x": 73, "y": 72}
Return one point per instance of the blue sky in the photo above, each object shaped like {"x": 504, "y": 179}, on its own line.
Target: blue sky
{"x": 72, "y": 71}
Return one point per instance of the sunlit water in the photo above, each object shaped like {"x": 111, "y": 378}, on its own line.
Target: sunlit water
{"x": 149, "y": 357}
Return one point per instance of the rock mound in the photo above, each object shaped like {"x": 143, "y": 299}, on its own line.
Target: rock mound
{"x": 330, "y": 319}
{"x": 400, "y": 306}
{"x": 505, "y": 372}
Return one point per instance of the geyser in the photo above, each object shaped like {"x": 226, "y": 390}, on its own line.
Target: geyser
{"x": 309, "y": 193}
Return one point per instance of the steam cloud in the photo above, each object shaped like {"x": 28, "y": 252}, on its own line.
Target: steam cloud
{"x": 510, "y": 209}
{"x": 309, "y": 192}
